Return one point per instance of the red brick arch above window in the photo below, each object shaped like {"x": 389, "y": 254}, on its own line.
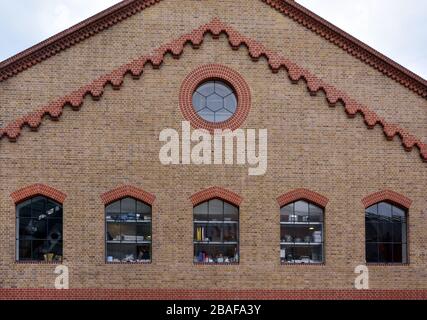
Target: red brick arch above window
{"x": 387, "y": 195}
{"x": 215, "y": 72}
{"x": 128, "y": 191}
{"x": 216, "y": 192}
{"x": 302, "y": 194}
{"x": 38, "y": 190}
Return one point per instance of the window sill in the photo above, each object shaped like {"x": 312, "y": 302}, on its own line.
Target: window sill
{"x": 302, "y": 264}
{"x": 216, "y": 263}
{"x": 40, "y": 262}
{"x": 375, "y": 264}
{"x": 130, "y": 262}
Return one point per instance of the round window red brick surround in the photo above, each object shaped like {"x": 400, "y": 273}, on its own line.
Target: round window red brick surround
{"x": 215, "y": 72}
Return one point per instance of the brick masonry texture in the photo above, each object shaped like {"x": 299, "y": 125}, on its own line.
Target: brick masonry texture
{"x": 216, "y": 192}
{"x": 114, "y": 142}
{"x": 127, "y": 191}
{"x": 176, "y": 47}
{"x": 35, "y": 190}
{"x": 298, "y": 194}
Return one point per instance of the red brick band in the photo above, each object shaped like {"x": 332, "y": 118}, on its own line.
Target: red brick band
{"x": 302, "y": 194}
{"x": 256, "y": 50}
{"x": 212, "y": 294}
{"x": 216, "y": 192}
{"x": 210, "y": 72}
{"x": 38, "y": 190}
{"x": 128, "y": 191}
{"x": 387, "y": 195}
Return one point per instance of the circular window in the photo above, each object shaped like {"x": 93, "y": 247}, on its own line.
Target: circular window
{"x": 215, "y": 97}
{"x": 215, "y": 101}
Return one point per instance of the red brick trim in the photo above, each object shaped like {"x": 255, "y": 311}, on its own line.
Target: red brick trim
{"x": 128, "y": 191}
{"x": 236, "y": 40}
{"x": 291, "y": 9}
{"x": 209, "y": 294}
{"x": 302, "y": 194}
{"x": 351, "y": 45}
{"x": 38, "y": 190}
{"x": 208, "y": 72}
{"x": 216, "y": 192}
{"x": 387, "y": 195}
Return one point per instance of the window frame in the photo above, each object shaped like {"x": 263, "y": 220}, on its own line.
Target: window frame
{"x": 18, "y": 237}
{"x": 223, "y": 222}
{"x": 406, "y": 212}
{"x": 106, "y": 241}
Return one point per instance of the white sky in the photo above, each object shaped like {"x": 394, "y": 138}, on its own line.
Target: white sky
{"x": 396, "y": 28}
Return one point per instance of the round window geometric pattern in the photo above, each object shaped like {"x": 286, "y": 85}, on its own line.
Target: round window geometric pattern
{"x": 214, "y": 101}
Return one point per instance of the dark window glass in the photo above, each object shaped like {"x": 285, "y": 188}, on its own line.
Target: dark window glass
{"x": 215, "y": 101}
{"x": 301, "y": 233}
{"x": 385, "y": 229}
{"x": 216, "y": 232}
{"x": 128, "y": 231}
{"x": 39, "y": 230}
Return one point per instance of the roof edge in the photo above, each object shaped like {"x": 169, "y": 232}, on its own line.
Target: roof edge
{"x": 119, "y": 12}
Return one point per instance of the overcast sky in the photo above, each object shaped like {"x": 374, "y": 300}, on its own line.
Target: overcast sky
{"x": 396, "y": 28}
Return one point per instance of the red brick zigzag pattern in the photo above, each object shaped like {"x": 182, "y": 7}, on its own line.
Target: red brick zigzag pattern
{"x": 195, "y": 38}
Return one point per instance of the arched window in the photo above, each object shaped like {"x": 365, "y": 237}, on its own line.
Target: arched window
{"x": 39, "y": 230}
{"x": 301, "y": 233}
{"x": 216, "y": 232}
{"x": 128, "y": 231}
{"x": 386, "y": 233}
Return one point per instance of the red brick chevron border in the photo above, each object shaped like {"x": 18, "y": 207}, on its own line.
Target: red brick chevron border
{"x": 37, "y": 190}
{"x": 211, "y": 294}
{"x": 299, "y": 194}
{"x": 385, "y": 195}
{"x": 128, "y": 191}
{"x": 290, "y": 8}
{"x": 216, "y": 192}
{"x": 195, "y": 38}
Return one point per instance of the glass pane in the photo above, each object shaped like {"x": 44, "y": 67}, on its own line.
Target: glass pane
{"x": 214, "y": 232}
{"x": 24, "y": 209}
{"x": 384, "y": 210}
{"x": 54, "y": 229}
{"x": 222, "y": 89}
{"x": 143, "y": 253}
{"x": 40, "y": 249}
{"x": 231, "y": 213}
{"x": 372, "y": 252}
{"x": 230, "y": 103}
{"x": 287, "y": 253}
{"x": 128, "y": 209}
{"x": 143, "y": 232}
{"x": 199, "y": 101}
{"x": 32, "y": 229}
{"x": 112, "y": 211}
{"x": 385, "y": 252}
{"x": 371, "y": 213}
{"x": 316, "y": 213}
{"x": 201, "y": 212}
{"x": 200, "y": 232}
{"x": 397, "y": 232}
{"x": 385, "y": 231}
{"x": 216, "y": 210}
{"x": 121, "y": 252}
{"x": 143, "y": 211}
{"x": 207, "y": 115}
{"x": 316, "y": 254}
{"x": 25, "y": 250}
{"x": 222, "y": 115}
{"x": 216, "y": 253}
{"x": 230, "y": 232}
{"x": 207, "y": 88}
{"x": 371, "y": 231}
{"x": 301, "y": 211}
{"x": 301, "y": 233}
{"x": 113, "y": 232}
{"x": 399, "y": 215}
{"x": 214, "y": 102}
{"x": 397, "y": 253}
{"x": 38, "y": 206}
{"x": 302, "y": 254}
{"x": 286, "y": 212}
{"x": 53, "y": 210}
{"x": 128, "y": 231}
